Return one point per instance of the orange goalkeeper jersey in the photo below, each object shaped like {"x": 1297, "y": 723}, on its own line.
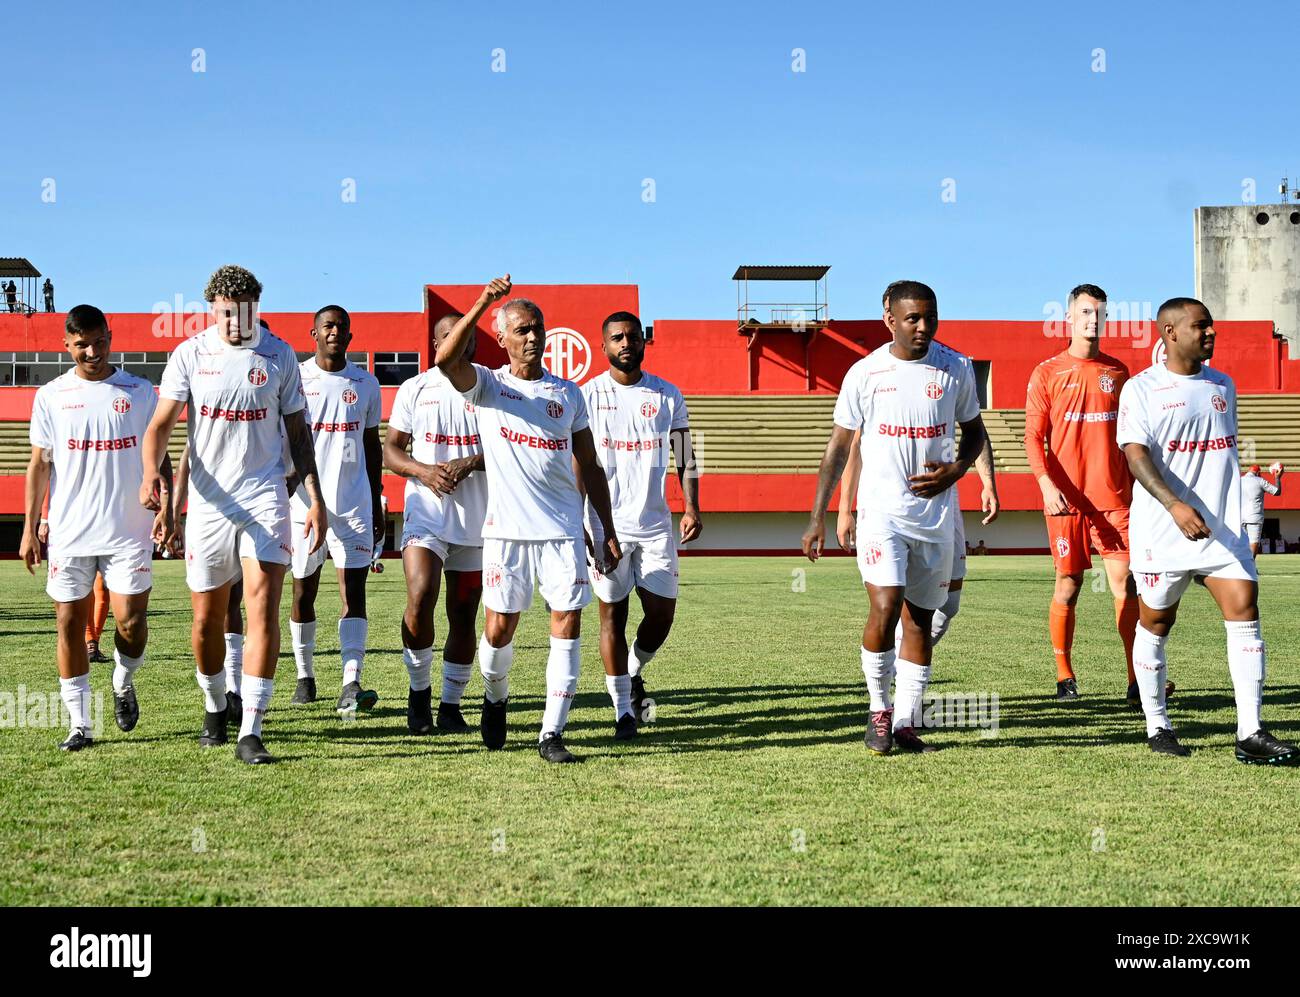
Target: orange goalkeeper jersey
{"x": 1072, "y": 407}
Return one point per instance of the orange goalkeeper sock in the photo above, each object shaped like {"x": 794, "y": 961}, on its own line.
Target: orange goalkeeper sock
{"x": 1126, "y": 621}
{"x": 1061, "y": 623}
{"x": 99, "y": 613}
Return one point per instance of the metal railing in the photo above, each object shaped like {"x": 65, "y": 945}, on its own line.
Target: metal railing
{"x": 791, "y": 313}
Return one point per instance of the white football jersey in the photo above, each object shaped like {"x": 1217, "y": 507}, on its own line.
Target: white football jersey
{"x": 527, "y": 429}
{"x": 1188, "y": 423}
{"x": 340, "y": 408}
{"x": 237, "y": 400}
{"x": 1253, "y": 488}
{"x": 443, "y": 427}
{"x": 908, "y": 411}
{"x": 94, "y": 431}
{"x": 630, "y": 425}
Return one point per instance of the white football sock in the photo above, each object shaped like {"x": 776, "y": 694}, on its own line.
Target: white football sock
{"x": 638, "y": 659}
{"x": 1247, "y": 666}
{"x": 494, "y": 665}
{"x": 943, "y": 617}
{"x": 1150, "y": 669}
{"x": 419, "y": 664}
{"x": 353, "y": 631}
{"x": 257, "y": 698}
{"x": 620, "y": 691}
{"x": 561, "y": 683}
{"x": 214, "y": 690}
{"x": 234, "y": 663}
{"x": 454, "y": 679}
{"x": 124, "y": 669}
{"x": 910, "y": 685}
{"x": 303, "y": 636}
{"x": 939, "y": 622}
{"x": 76, "y": 697}
{"x": 878, "y": 667}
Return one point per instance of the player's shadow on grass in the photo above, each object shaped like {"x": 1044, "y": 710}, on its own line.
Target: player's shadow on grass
{"x": 684, "y": 718}
{"x": 1102, "y": 720}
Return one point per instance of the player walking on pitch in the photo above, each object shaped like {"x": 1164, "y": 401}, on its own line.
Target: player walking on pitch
{"x": 343, "y": 411}
{"x": 635, "y": 418}
{"x": 907, "y": 397}
{"x": 442, "y": 531}
{"x": 1178, "y": 428}
{"x": 233, "y": 662}
{"x": 531, "y": 422}
{"x": 241, "y": 383}
{"x": 86, "y": 429}
{"x": 1253, "y": 488}
{"x": 846, "y": 529}
{"x": 1072, "y": 404}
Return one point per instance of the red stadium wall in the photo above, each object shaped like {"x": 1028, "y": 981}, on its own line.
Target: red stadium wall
{"x": 703, "y": 357}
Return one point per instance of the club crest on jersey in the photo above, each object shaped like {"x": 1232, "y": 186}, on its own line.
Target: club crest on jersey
{"x": 871, "y": 553}
{"x": 554, "y": 409}
{"x": 567, "y": 353}
{"x": 469, "y": 407}
{"x": 934, "y": 390}
{"x": 257, "y": 377}
{"x": 1220, "y": 403}
{"x": 1106, "y": 383}
{"x": 122, "y": 404}
{"x": 349, "y": 396}
{"x": 649, "y": 409}
{"x": 1062, "y": 547}
{"x": 492, "y": 576}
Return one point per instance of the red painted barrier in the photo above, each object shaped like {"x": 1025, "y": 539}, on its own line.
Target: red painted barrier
{"x": 702, "y": 357}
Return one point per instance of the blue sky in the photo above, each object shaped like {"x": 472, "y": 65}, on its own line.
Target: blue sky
{"x": 1062, "y": 174}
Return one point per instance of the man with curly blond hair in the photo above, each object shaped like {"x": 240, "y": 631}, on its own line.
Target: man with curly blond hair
{"x": 241, "y": 383}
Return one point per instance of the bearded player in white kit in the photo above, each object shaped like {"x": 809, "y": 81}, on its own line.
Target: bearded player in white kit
{"x": 85, "y": 432}
{"x": 343, "y": 410}
{"x": 636, "y": 419}
{"x": 1178, "y": 429}
{"x": 241, "y": 383}
{"x": 907, "y": 397}
{"x": 442, "y": 532}
{"x": 531, "y": 423}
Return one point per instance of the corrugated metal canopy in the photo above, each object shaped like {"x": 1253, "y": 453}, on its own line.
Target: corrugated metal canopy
{"x": 780, "y": 273}
{"x": 16, "y": 266}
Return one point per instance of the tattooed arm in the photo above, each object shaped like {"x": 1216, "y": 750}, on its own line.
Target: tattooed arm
{"x": 989, "y": 502}
{"x": 303, "y": 451}
{"x": 1148, "y": 476}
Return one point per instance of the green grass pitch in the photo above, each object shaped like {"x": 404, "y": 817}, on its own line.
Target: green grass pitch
{"x": 751, "y": 787}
